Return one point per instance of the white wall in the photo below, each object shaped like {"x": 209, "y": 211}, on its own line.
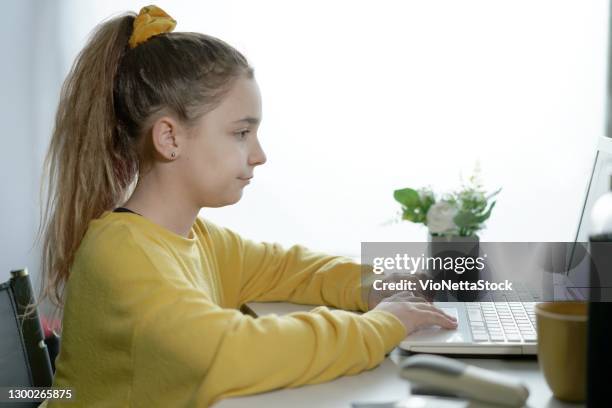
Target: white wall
{"x": 359, "y": 98}
{"x": 17, "y": 166}
{"x": 31, "y": 73}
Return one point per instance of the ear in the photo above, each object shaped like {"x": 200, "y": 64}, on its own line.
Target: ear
{"x": 166, "y": 138}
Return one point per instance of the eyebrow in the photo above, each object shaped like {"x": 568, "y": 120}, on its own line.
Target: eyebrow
{"x": 249, "y": 119}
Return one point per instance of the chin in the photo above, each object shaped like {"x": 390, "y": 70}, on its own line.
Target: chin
{"x": 224, "y": 201}
{"x": 239, "y": 196}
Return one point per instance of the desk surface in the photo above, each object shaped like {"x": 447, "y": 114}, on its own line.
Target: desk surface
{"x": 381, "y": 384}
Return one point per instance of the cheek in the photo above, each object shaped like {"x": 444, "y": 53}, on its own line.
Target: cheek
{"x": 226, "y": 161}
{"x": 205, "y": 158}
{"x": 213, "y": 168}
{"x": 211, "y": 174}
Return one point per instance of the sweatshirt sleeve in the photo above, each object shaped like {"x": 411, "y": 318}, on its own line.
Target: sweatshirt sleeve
{"x": 269, "y": 272}
{"x": 186, "y": 343}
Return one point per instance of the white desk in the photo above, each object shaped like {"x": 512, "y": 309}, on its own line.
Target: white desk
{"x": 381, "y": 384}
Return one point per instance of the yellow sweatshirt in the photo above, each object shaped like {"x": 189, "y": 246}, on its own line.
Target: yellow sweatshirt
{"x": 151, "y": 317}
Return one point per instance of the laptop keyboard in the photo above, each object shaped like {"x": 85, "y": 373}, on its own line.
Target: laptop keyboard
{"x": 520, "y": 293}
{"x": 502, "y": 322}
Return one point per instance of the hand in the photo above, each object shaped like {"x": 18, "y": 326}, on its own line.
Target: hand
{"x": 415, "y": 312}
{"x": 376, "y": 296}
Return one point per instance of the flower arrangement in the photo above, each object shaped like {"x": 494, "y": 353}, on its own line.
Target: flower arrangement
{"x": 458, "y": 213}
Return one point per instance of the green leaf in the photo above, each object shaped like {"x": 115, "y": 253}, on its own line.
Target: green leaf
{"x": 426, "y": 200}
{"x": 493, "y": 194}
{"x": 487, "y": 214}
{"x": 410, "y": 216}
{"x": 407, "y": 197}
{"x": 465, "y": 219}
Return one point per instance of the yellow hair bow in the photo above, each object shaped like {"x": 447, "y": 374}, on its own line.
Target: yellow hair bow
{"x": 151, "y": 21}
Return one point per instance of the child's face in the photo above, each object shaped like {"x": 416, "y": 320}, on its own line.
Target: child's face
{"x": 223, "y": 150}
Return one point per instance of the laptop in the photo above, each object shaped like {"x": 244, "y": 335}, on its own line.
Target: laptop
{"x": 505, "y": 324}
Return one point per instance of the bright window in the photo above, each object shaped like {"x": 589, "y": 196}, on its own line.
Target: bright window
{"x": 363, "y": 97}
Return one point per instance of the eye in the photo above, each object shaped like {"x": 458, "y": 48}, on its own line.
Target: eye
{"x": 242, "y": 134}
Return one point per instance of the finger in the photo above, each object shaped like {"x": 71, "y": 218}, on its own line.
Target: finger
{"x": 440, "y": 319}
{"x": 434, "y": 309}
{"x": 410, "y": 296}
{"x": 407, "y": 297}
{"x": 418, "y": 299}
{"x": 400, "y": 295}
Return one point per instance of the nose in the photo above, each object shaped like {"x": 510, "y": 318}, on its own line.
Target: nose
{"x": 257, "y": 157}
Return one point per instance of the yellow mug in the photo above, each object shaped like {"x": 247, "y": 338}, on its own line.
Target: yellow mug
{"x": 562, "y": 339}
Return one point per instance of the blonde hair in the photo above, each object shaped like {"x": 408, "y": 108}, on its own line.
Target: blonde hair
{"x": 107, "y": 104}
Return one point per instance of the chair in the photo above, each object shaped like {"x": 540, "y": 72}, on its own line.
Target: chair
{"x": 24, "y": 359}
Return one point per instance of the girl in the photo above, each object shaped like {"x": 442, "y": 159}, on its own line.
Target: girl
{"x": 169, "y": 121}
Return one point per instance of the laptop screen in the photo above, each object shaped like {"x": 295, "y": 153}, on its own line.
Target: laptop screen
{"x": 578, "y": 266}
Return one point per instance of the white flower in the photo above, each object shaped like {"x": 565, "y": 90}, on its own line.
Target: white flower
{"x": 440, "y": 218}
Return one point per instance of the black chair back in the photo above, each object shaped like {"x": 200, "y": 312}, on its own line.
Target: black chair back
{"x": 24, "y": 359}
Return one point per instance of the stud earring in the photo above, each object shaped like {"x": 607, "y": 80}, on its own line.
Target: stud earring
{"x": 173, "y": 154}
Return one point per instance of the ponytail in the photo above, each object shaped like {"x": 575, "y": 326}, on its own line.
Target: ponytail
{"x": 86, "y": 170}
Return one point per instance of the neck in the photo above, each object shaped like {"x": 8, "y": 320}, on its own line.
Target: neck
{"x": 162, "y": 205}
